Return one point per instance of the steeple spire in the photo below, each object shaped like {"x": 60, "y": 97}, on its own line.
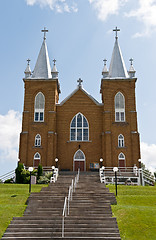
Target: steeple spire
{"x": 28, "y": 70}
{"x": 105, "y": 70}
{"x": 117, "y": 67}
{"x": 131, "y": 71}
{"x": 42, "y": 68}
{"x": 54, "y": 71}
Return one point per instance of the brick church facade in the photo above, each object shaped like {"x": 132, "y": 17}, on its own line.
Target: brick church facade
{"x": 79, "y": 131}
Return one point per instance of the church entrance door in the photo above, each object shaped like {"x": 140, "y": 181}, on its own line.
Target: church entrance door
{"x": 79, "y": 161}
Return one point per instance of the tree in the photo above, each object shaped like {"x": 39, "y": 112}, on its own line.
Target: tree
{"x": 18, "y": 171}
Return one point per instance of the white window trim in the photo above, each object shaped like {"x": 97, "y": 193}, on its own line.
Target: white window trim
{"x": 39, "y": 111}
{"x": 120, "y": 157}
{"x": 120, "y": 110}
{"x": 37, "y": 139}
{"x": 121, "y": 141}
{"x": 79, "y": 128}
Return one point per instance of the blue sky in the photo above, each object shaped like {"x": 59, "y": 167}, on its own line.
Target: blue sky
{"x": 80, "y": 37}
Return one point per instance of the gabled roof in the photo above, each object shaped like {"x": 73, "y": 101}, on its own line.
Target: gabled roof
{"x": 42, "y": 68}
{"x": 85, "y": 92}
{"x": 117, "y": 67}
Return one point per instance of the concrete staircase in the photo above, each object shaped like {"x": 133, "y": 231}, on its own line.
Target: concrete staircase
{"x": 90, "y": 212}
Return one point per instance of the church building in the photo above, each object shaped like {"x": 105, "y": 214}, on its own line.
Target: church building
{"x": 79, "y": 131}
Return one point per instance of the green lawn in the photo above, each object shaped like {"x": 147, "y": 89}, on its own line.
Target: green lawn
{"x": 135, "y": 212}
{"x": 12, "y": 202}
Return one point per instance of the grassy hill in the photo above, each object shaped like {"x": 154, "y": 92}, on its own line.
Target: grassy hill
{"x": 136, "y": 212}
{"x": 135, "y": 209}
{"x": 12, "y": 202}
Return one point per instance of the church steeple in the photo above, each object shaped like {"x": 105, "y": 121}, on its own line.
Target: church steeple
{"x": 42, "y": 68}
{"x": 27, "y": 70}
{"x": 117, "y": 67}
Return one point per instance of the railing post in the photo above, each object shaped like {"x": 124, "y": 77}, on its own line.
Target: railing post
{"x": 63, "y": 227}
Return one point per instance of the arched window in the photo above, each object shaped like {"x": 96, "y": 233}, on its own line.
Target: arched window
{"x": 79, "y": 155}
{"x": 39, "y": 107}
{"x": 119, "y": 107}
{"x": 121, "y": 141}
{"x": 37, "y": 140}
{"x": 37, "y": 159}
{"x": 122, "y": 161}
{"x": 79, "y": 128}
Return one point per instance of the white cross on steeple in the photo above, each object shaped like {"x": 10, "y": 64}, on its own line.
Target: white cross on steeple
{"x": 131, "y": 60}
{"x": 105, "y": 60}
{"x": 80, "y": 82}
{"x": 116, "y": 30}
{"x": 28, "y": 60}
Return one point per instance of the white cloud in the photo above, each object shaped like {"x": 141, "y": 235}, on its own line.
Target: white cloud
{"x": 105, "y": 8}
{"x": 57, "y": 5}
{"x": 9, "y": 140}
{"x": 148, "y": 155}
{"x": 146, "y": 14}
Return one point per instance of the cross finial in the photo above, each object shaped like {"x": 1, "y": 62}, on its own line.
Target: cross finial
{"x": 80, "y": 82}
{"x": 28, "y": 60}
{"x": 131, "y": 60}
{"x": 45, "y": 31}
{"x": 105, "y": 60}
{"x": 54, "y": 61}
{"x": 116, "y": 30}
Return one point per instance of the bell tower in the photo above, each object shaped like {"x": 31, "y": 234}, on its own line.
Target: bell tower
{"x": 42, "y": 88}
{"x": 120, "y": 137}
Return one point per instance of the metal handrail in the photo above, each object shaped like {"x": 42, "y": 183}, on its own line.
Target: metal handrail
{"x": 8, "y": 175}
{"x": 69, "y": 198}
{"x": 64, "y": 215}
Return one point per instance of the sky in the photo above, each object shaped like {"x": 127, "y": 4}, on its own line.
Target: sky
{"x": 80, "y": 36}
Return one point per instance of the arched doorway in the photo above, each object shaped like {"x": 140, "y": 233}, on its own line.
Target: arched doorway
{"x": 122, "y": 161}
{"x": 37, "y": 159}
{"x": 79, "y": 161}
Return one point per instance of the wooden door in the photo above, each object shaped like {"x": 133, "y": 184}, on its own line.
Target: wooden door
{"x": 79, "y": 164}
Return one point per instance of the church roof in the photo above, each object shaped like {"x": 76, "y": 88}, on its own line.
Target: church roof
{"x": 84, "y": 91}
{"x": 117, "y": 67}
{"x": 42, "y": 68}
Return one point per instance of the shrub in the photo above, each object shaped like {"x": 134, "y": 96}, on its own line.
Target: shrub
{"x": 43, "y": 180}
{"x": 48, "y": 175}
{"x": 23, "y": 175}
{"x": 9, "y": 180}
{"x": 18, "y": 171}
{"x": 39, "y": 171}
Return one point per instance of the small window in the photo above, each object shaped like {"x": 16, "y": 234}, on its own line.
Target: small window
{"x": 39, "y": 107}
{"x": 119, "y": 107}
{"x": 79, "y": 128}
{"x": 37, "y": 140}
{"x": 121, "y": 141}
{"x": 121, "y": 156}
